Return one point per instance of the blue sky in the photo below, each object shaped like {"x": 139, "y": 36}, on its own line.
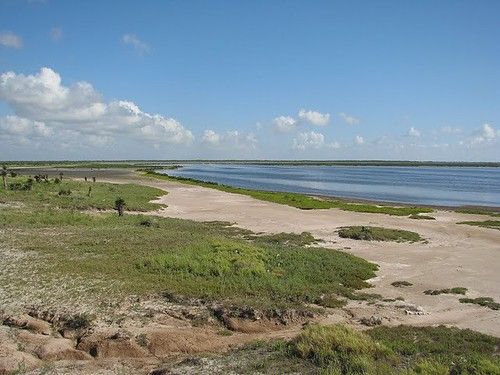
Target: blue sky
{"x": 250, "y": 79}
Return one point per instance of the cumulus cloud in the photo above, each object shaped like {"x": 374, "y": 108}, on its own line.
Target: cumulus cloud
{"x": 56, "y": 34}
{"x": 135, "y": 42}
{"x": 348, "y": 119}
{"x": 485, "y": 134}
{"x": 10, "y": 40}
{"x": 284, "y": 123}
{"x": 288, "y": 123}
{"x": 81, "y": 110}
{"x": 413, "y": 132}
{"x": 230, "y": 139}
{"x": 18, "y": 126}
{"x": 308, "y": 140}
{"x": 314, "y": 117}
{"x": 359, "y": 140}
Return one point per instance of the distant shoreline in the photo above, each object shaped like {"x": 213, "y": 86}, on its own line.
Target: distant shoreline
{"x": 163, "y": 163}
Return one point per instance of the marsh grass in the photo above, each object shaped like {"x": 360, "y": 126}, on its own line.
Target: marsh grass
{"x": 455, "y": 290}
{"x": 421, "y": 217}
{"x": 477, "y": 211}
{"x": 339, "y": 349}
{"x": 492, "y": 224}
{"x": 71, "y": 194}
{"x": 368, "y": 233}
{"x": 482, "y": 301}
{"x": 179, "y": 256}
{"x": 400, "y": 284}
{"x": 297, "y": 200}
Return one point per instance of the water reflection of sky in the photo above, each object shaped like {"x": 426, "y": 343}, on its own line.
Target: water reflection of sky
{"x": 419, "y": 185}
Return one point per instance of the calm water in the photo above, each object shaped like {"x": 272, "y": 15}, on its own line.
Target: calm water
{"x": 443, "y": 186}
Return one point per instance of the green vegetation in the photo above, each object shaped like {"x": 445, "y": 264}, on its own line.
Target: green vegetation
{"x": 340, "y": 350}
{"x": 297, "y": 200}
{"x": 455, "y": 290}
{"x": 421, "y": 217}
{"x": 492, "y": 224}
{"x": 482, "y": 301}
{"x": 399, "y": 350}
{"x": 368, "y": 233}
{"x": 136, "y": 254}
{"x": 400, "y": 284}
{"x": 71, "y": 194}
{"x": 477, "y": 211}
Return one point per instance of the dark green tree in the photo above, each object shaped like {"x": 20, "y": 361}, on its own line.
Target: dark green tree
{"x": 120, "y": 206}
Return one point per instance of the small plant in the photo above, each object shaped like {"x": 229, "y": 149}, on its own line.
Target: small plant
{"x": 57, "y": 181}
{"x": 331, "y": 302}
{"x": 78, "y": 322}
{"x": 61, "y": 176}
{"x": 120, "y": 206}
{"x": 65, "y": 192}
{"x": 482, "y": 301}
{"x": 400, "y": 284}
{"x": 455, "y": 290}
{"x": 13, "y": 174}
{"x": 368, "y": 233}
{"x": 421, "y": 217}
{"x": 142, "y": 340}
{"x": 4, "y": 176}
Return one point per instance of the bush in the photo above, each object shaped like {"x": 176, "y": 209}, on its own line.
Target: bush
{"x": 455, "y": 290}
{"x": 399, "y": 284}
{"x": 342, "y": 350}
{"x": 368, "y": 233}
{"x": 64, "y": 192}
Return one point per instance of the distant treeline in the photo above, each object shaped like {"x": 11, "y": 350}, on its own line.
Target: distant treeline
{"x": 157, "y": 164}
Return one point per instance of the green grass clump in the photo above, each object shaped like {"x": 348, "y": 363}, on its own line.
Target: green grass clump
{"x": 477, "y": 211}
{"x": 399, "y": 284}
{"x": 342, "y": 350}
{"x": 492, "y": 224}
{"x": 331, "y": 301}
{"x": 421, "y": 217}
{"x": 302, "y": 201}
{"x": 368, "y": 233}
{"x": 448, "y": 349}
{"x": 455, "y": 290}
{"x": 482, "y": 301}
{"x": 75, "y": 195}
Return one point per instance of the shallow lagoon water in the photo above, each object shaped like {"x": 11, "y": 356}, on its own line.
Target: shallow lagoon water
{"x": 442, "y": 186}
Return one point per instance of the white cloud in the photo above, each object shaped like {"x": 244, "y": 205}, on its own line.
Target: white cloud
{"x": 334, "y": 145}
{"x": 81, "y": 110}
{"x": 308, "y": 140}
{"x": 348, "y": 119}
{"x": 211, "y": 137}
{"x": 230, "y": 139}
{"x": 314, "y": 118}
{"x": 284, "y": 123}
{"x": 11, "y": 40}
{"x": 56, "y": 34}
{"x": 359, "y": 140}
{"x": 22, "y": 127}
{"x": 486, "y": 134}
{"x": 135, "y": 42}
{"x": 288, "y": 123}
{"x": 413, "y": 132}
